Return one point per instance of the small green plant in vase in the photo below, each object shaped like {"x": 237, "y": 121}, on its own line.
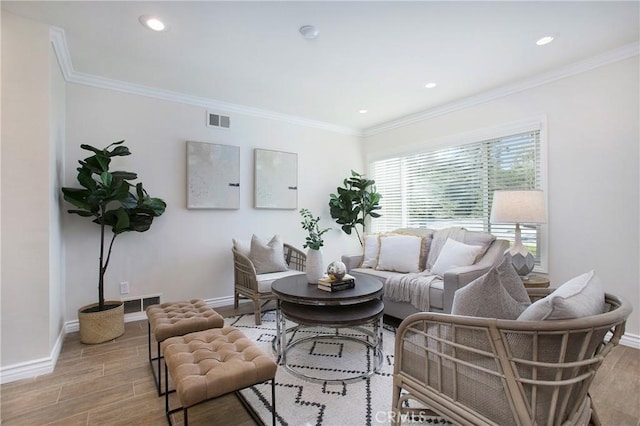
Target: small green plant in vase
{"x": 313, "y": 241}
{"x": 310, "y": 224}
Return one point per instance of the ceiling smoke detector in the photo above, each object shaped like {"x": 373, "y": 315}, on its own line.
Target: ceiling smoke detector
{"x": 309, "y": 32}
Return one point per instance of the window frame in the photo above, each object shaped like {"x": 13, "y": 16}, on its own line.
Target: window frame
{"x": 538, "y": 123}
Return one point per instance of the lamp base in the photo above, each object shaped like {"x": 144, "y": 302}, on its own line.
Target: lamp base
{"x": 523, "y": 263}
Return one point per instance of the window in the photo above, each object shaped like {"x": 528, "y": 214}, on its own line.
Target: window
{"x": 454, "y": 186}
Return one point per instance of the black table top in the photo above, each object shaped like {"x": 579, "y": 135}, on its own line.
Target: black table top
{"x": 295, "y": 289}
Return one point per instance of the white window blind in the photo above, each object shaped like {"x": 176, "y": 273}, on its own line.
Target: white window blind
{"x": 454, "y": 186}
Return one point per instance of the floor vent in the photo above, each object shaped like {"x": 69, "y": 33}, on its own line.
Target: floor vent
{"x": 140, "y": 304}
{"x": 218, "y": 120}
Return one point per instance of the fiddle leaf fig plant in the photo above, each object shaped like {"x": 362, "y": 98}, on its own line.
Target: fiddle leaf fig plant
{"x": 354, "y": 202}
{"x": 111, "y": 201}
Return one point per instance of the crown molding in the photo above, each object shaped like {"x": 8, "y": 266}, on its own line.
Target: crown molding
{"x": 70, "y": 75}
{"x": 59, "y": 42}
{"x": 619, "y": 54}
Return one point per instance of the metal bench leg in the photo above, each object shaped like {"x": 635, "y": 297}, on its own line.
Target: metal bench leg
{"x": 273, "y": 401}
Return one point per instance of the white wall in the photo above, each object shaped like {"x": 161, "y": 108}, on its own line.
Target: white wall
{"x": 593, "y": 163}
{"x": 187, "y": 253}
{"x": 30, "y": 282}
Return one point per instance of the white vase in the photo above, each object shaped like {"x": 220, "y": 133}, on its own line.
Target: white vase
{"x": 315, "y": 266}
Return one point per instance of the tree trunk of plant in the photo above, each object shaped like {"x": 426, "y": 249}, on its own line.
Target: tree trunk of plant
{"x": 101, "y": 268}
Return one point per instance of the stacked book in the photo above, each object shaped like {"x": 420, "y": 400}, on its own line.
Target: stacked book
{"x": 330, "y": 283}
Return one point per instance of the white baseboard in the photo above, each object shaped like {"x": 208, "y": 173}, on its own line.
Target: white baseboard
{"x": 37, "y": 367}
{"x": 631, "y": 340}
{"x": 223, "y": 301}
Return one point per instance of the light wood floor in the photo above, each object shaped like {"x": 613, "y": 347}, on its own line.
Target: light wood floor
{"x": 111, "y": 384}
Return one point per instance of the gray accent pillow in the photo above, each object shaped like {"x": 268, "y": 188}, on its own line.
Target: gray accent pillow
{"x": 486, "y": 297}
{"x": 511, "y": 281}
{"x": 267, "y": 256}
{"x": 579, "y": 297}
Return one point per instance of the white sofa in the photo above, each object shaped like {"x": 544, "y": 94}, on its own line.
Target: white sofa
{"x": 446, "y": 282}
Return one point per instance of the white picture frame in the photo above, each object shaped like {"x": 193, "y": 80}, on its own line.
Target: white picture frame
{"x": 213, "y": 176}
{"x": 275, "y": 179}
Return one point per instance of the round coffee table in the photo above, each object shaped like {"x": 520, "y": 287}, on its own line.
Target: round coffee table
{"x": 308, "y": 306}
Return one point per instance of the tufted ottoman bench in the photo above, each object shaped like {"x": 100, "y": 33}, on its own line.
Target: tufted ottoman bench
{"x": 208, "y": 364}
{"x": 176, "y": 319}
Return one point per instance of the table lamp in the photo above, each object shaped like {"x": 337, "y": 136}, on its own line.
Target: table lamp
{"x": 518, "y": 207}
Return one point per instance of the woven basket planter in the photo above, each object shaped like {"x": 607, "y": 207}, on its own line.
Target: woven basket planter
{"x": 101, "y": 326}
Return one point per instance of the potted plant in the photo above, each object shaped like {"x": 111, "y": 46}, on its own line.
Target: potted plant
{"x": 354, "y": 202}
{"x": 113, "y": 203}
{"x": 313, "y": 242}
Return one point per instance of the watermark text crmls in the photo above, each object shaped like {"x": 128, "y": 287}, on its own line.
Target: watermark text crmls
{"x": 391, "y": 416}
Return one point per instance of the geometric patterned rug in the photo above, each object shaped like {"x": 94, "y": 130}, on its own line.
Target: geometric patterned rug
{"x": 301, "y": 402}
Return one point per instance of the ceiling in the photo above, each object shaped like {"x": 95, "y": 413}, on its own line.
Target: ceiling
{"x": 375, "y": 55}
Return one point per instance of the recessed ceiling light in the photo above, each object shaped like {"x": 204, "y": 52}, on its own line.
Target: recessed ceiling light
{"x": 363, "y": 111}
{"x": 430, "y": 85}
{"x": 309, "y": 32}
{"x": 152, "y": 22}
{"x": 544, "y": 40}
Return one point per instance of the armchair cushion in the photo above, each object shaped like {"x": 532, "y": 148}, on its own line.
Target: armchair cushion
{"x": 579, "y": 297}
{"x": 493, "y": 295}
{"x": 265, "y": 280}
{"x": 267, "y": 256}
{"x": 242, "y": 246}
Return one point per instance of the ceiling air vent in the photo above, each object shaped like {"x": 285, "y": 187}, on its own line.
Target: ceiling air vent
{"x": 218, "y": 120}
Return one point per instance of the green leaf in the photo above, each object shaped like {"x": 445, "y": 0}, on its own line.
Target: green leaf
{"x": 82, "y": 213}
{"x": 120, "y": 151}
{"x": 140, "y": 222}
{"x": 155, "y": 205}
{"x": 90, "y": 148}
{"x": 115, "y": 143}
{"x": 124, "y": 175}
{"x": 85, "y": 178}
{"x": 103, "y": 161}
{"x": 123, "y": 222}
{"x": 107, "y": 178}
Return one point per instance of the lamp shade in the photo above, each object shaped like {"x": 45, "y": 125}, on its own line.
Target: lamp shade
{"x": 518, "y": 207}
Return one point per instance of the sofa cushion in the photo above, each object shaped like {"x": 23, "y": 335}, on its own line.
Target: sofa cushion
{"x": 267, "y": 256}
{"x": 426, "y": 235}
{"x": 579, "y": 297}
{"x": 477, "y": 238}
{"x": 400, "y": 253}
{"x": 453, "y": 255}
{"x": 486, "y": 297}
{"x": 370, "y": 251}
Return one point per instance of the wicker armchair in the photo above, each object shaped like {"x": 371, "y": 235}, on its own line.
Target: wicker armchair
{"x": 257, "y": 287}
{"x": 479, "y": 371}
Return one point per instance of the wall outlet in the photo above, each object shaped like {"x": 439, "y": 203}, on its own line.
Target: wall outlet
{"x": 124, "y": 287}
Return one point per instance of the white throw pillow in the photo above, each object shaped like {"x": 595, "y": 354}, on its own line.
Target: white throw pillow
{"x": 267, "y": 257}
{"x": 579, "y": 297}
{"x": 453, "y": 255}
{"x": 400, "y": 253}
{"x": 371, "y": 249}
